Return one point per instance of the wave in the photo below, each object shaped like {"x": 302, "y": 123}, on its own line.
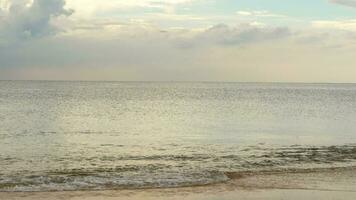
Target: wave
{"x": 86, "y": 181}
{"x": 171, "y": 171}
{"x": 323, "y": 179}
{"x": 244, "y": 174}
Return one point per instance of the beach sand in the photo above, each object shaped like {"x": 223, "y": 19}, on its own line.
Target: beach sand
{"x": 274, "y": 194}
{"x": 338, "y": 184}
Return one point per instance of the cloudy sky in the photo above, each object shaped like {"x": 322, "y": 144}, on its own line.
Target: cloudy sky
{"x": 179, "y": 40}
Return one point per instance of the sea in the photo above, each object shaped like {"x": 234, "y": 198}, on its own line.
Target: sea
{"x": 70, "y": 136}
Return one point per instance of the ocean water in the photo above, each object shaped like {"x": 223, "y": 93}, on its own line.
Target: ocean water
{"x": 58, "y": 136}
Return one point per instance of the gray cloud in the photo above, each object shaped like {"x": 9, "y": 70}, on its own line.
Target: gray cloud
{"x": 351, "y": 3}
{"x": 223, "y": 34}
{"x": 130, "y": 53}
{"x": 21, "y": 21}
{"x": 133, "y": 47}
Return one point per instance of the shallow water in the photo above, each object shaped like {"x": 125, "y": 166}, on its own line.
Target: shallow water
{"x": 111, "y": 135}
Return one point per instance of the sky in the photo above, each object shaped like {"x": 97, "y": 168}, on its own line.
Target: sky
{"x": 179, "y": 40}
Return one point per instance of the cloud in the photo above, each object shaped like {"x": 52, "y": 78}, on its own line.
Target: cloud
{"x": 23, "y": 19}
{"x": 133, "y": 45}
{"x": 102, "y": 43}
{"x": 244, "y": 33}
{"x": 142, "y": 52}
{"x": 350, "y": 3}
{"x": 91, "y": 8}
{"x": 258, "y": 13}
{"x": 219, "y": 34}
{"x": 346, "y": 25}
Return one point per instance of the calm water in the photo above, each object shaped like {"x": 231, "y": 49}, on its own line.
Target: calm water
{"x": 112, "y": 135}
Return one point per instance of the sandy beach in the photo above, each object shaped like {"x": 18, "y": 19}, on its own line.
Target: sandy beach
{"x": 274, "y": 194}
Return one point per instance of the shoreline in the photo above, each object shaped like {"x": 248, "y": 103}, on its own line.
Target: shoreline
{"x": 332, "y": 184}
{"x": 242, "y": 179}
{"x": 198, "y": 193}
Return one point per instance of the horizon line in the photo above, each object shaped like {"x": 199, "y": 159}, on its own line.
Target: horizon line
{"x": 177, "y": 81}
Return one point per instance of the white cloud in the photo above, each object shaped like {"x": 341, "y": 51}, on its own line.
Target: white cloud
{"x": 258, "y": 13}
{"x": 90, "y": 8}
{"x": 347, "y": 25}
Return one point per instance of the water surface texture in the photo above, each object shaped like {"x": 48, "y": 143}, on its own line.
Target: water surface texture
{"x": 112, "y": 135}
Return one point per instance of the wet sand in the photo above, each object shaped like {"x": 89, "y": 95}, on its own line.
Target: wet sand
{"x": 335, "y": 184}
{"x": 272, "y": 194}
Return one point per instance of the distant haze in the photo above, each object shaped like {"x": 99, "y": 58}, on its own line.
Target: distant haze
{"x": 178, "y": 40}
